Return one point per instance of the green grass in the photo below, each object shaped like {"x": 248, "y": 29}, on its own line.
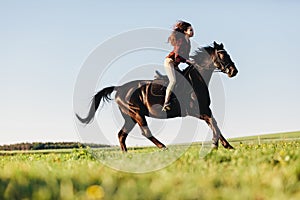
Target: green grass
{"x": 275, "y": 136}
{"x": 270, "y": 170}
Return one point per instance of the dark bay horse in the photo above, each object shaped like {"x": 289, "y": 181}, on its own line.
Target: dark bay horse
{"x": 141, "y": 98}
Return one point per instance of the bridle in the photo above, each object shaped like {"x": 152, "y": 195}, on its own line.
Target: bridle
{"x": 224, "y": 66}
{"x": 217, "y": 64}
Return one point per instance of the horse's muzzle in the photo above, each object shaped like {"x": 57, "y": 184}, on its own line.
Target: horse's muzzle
{"x": 232, "y": 71}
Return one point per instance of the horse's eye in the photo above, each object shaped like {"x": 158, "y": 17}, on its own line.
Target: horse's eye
{"x": 221, "y": 55}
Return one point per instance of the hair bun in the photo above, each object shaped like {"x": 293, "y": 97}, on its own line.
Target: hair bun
{"x": 181, "y": 26}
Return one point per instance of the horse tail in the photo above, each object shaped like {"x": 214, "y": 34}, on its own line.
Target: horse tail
{"x": 104, "y": 95}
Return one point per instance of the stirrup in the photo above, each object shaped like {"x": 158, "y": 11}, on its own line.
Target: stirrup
{"x": 166, "y": 107}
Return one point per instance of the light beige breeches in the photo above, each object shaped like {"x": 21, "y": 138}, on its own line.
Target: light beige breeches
{"x": 170, "y": 70}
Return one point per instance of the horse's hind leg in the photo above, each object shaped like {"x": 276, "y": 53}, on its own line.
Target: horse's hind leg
{"x": 123, "y": 133}
{"x": 147, "y": 133}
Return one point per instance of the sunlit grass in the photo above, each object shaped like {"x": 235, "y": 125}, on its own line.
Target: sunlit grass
{"x": 268, "y": 170}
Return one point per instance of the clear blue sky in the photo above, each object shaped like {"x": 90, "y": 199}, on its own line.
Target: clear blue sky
{"x": 43, "y": 45}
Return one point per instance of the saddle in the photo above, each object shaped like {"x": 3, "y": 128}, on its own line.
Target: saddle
{"x": 160, "y": 83}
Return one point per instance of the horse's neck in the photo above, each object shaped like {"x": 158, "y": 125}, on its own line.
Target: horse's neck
{"x": 206, "y": 75}
{"x": 205, "y": 66}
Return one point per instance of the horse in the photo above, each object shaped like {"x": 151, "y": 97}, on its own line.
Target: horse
{"x": 140, "y": 98}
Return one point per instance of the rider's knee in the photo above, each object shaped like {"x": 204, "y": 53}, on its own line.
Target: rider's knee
{"x": 168, "y": 62}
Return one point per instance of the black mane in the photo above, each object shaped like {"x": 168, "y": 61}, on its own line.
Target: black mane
{"x": 202, "y": 54}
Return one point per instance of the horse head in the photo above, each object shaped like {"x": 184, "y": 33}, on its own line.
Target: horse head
{"x": 222, "y": 60}
{"x": 215, "y": 57}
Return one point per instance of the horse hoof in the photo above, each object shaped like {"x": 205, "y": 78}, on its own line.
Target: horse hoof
{"x": 164, "y": 149}
{"x": 229, "y": 147}
{"x": 214, "y": 147}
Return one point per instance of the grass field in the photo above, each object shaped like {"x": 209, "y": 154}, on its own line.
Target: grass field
{"x": 268, "y": 137}
{"x": 264, "y": 168}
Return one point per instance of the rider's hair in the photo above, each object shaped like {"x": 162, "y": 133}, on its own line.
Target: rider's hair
{"x": 178, "y": 31}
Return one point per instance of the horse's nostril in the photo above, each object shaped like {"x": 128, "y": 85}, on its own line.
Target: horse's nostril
{"x": 234, "y": 73}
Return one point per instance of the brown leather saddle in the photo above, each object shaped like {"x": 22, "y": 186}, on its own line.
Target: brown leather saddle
{"x": 159, "y": 85}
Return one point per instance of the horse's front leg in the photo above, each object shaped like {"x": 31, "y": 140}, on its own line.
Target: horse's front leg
{"x": 211, "y": 122}
{"x": 225, "y": 143}
{"x": 217, "y": 135}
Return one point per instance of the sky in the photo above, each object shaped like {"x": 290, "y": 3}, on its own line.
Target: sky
{"x": 44, "y": 45}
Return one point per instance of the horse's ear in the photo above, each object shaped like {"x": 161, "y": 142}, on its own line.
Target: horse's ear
{"x": 221, "y": 46}
{"x": 215, "y": 44}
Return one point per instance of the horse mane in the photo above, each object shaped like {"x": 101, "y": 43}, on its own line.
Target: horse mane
{"x": 202, "y": 54}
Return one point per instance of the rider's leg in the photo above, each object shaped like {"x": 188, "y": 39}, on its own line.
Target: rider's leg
{"x": 170, "y": 70}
